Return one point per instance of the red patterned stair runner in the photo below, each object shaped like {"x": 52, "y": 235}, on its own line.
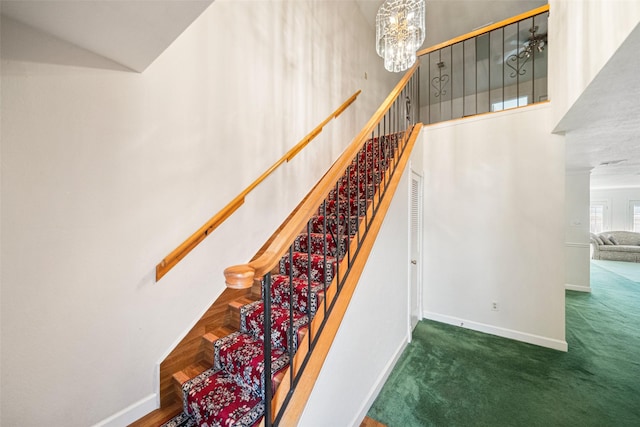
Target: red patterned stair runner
{"x": 231, "y": 393}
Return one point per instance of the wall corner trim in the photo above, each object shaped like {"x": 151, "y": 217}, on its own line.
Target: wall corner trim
{"x": 579, "y": 288}
{"x": 577, "y": 245}
{"x": 382, "y": 378}
{"x": 131, "y": 413}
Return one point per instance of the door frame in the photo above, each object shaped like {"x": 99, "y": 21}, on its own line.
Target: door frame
{"x": 414, "y": 175}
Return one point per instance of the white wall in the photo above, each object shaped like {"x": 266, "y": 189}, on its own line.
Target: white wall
{"x": 577, "y": 255}
{"x": 588, "y": 32}
{"x": 494, "y": 186}
{"x": 104, "y": 172}
{"x": 361, "y": 358}
{"x": 618, "y": 201}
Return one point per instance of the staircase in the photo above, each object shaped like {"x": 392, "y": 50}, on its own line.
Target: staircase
{"x": 288, "y": 302}
{"x": 228, "y": 387}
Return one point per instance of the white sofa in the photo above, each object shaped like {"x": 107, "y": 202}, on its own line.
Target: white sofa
{"x": 616, "y": 246}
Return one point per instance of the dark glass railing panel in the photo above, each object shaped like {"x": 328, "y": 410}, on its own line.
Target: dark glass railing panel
{"x": 501, "y": 69}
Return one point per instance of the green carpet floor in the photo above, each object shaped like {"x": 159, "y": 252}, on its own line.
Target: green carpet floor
{"x": 449, "y": 376}
{"x": 628, "y": 270}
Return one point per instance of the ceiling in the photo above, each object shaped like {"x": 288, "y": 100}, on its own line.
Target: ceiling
{"x": 447, "y": 19}
{"x": 602, "y": 128}
{"x": 130, "y": 33}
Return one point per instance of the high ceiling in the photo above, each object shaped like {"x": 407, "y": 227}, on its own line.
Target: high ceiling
{"x": 131, "y": 34}
{"x": 603, "y": 126}
{"x": 447, "y": 19}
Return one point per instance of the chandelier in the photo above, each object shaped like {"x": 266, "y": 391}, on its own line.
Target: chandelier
{"x": 400, "y": 31}
{"x": 535, "y": 43}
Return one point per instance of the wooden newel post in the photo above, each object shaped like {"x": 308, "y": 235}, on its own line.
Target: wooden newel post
{"x": 239, "y": 276}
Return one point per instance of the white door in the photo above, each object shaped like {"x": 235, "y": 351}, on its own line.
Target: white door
{"x": 415, "y": 250}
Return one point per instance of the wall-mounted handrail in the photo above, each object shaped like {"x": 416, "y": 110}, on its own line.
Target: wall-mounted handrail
{"x": 188, "y": 245}
{"x": 484, "y": 30}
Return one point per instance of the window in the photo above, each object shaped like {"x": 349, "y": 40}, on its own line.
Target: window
{"x": 598, "y": 216}
{"x": 634, "y": 211}
{"x": 510, "y": 103}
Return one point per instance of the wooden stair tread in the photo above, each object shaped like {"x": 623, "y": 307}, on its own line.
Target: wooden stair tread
{"x": 210, "y": 337}
{"x": 208, "y": 352}
{"x": 196, "y": 369}
{"x": 223, "y": 331}
{"x": 234, "y": 311}
{"x": 190, "y": 371}
{"x": 239, "y": 302}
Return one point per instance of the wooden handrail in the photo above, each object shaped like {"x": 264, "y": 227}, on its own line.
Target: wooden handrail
{"x": 187, "y": 246}
{"x": 483, "y": 30}
{"x": 242, "y": 276}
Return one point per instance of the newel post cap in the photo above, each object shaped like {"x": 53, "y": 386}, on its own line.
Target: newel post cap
{"x": 239, "y": 276}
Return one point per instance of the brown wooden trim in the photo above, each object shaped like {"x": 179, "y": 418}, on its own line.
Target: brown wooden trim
{"x": 346, "y": 104}
{"x": 483, "y": 30}
{"x": 188, "y": 245}
{"x": 281, "y": 242}
{"x": 321, "y": 350}
{"x": 370, "y": 422}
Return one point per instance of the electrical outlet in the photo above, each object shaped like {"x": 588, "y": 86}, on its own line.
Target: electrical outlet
{"x": 494, "y": 306}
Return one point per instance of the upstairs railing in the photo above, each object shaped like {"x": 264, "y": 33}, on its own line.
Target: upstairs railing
{"x": 494, "y": 68}
{"x": 194, "y": 240}
{"x": 371, "y": 166}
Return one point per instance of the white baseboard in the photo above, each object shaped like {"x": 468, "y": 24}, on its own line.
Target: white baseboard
{"x": 382, "y": 378}
{"x": 577, "y": 245}
{"x": 498, "y": 331}
{"x": 131, "y": 413}
{"x": 578, "y": 288}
